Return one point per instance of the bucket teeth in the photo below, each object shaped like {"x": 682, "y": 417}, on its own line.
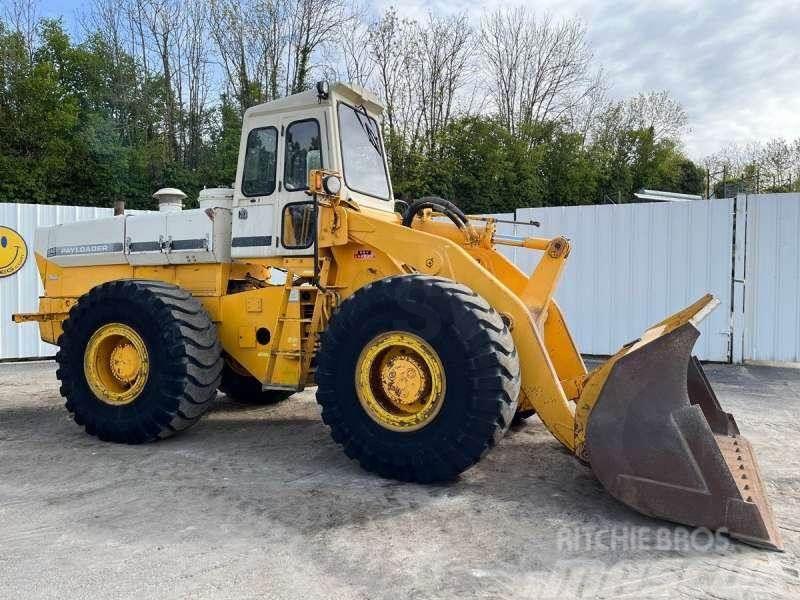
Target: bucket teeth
{"x": 741, "y": 461}
{"x": 659, "y": 442}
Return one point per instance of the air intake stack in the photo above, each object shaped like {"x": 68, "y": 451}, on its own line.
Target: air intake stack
{"x": 169, "y": 199}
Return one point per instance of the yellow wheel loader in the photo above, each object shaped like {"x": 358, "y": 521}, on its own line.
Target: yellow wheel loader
{"x": 423, "y": 340}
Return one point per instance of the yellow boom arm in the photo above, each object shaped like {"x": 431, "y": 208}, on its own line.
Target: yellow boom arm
{"x": 437, "y": 255}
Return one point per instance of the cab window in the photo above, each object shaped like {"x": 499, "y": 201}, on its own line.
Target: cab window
{"x": 362, "y": 152}
{"x": 298, "y": 226}
{"x": 260, "y": 162}
{"x": 303, "y": 153}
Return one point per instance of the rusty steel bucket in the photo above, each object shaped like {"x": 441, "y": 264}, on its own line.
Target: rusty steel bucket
{"x": 658, "y": 440}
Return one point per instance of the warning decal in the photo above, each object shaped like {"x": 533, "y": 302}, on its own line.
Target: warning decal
{"x": 363, "y": 254}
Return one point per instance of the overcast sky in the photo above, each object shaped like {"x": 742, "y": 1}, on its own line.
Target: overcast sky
{"x": 735, "y": 65}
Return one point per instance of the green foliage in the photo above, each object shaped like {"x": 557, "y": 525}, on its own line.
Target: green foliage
{"x": 82, "y": 125}
{"x": 484, "y": 168}
{"x": 40, "y": 121}
{"x": 85, "y": 124}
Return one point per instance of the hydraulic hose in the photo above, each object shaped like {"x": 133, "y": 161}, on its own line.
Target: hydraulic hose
{"x": 441, "y": 205}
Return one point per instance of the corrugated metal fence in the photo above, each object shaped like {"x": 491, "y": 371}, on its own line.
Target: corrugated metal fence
{"x": 20, "y": 292}
{"x": 634, "y": 264}
{"x": 772, "y": 279}
{"x": 631, "y": 265}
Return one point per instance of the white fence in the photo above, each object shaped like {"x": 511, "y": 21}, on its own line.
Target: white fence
{"x": 634, "y": 264}
{"x": 631, "y": 265}
{"x": 772, "y": 279}
{"x": 20, "y": 292}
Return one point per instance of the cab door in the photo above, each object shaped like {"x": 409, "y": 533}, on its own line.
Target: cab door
{"x": 304, "y": 147}
{"x": 253, "y": 230}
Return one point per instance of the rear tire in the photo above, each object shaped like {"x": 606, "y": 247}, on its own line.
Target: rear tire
{"x": 470, "y": 342}
{"x": 247, "y": 389}
{"x": 522, "y": 416}
{"x": 183, "y": 358}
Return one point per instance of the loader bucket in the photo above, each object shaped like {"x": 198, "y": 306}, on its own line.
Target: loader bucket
{"x": 659, "y": 442}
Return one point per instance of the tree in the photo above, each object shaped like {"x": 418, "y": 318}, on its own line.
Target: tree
{"x": 776, "y": 158}
{"x": 137, "y": 104}
{"x": 312, "y": 25}
{"x": 39, "y": 116}
{"x": 162, "y": 18}
{"x": 657, "y": 111}
{"x": 482, "y": 167}
{"x": 538, "y": 69}
{"x": 392, "y": 49}
{"x": 358, "y": 64}
{"x": 251, "y": 41}
{"x": 690, "y": 178}
{"x": 755, "y": 167}
{"x": 443, "y": 47}
{"x": 23, "y": 17}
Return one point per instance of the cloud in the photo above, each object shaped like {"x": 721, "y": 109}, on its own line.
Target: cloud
{"x": 734, "y": 65}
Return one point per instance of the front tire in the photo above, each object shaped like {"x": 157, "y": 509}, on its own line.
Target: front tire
{"x": 418, "y": 378}
{"x": 138, "y": 361}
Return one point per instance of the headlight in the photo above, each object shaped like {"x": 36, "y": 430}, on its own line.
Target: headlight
{"x": 332, "y": 185}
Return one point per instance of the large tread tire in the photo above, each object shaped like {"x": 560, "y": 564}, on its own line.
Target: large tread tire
{"x": 481, "y": 370}
{"x": 247, "y": 390}
{"x": 185, "y": 360}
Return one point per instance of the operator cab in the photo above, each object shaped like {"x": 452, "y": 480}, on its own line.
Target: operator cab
{"x": 334, "y": 127}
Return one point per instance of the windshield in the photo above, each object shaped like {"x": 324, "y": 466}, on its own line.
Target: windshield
{"x": 362, "y": 153}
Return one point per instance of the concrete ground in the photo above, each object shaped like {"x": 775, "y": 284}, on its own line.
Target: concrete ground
{"x": 260, "y": 503}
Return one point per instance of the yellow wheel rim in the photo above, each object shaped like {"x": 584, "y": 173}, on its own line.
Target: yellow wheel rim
{"x": 400, "y": 381}
{"x": 116, "y": 364}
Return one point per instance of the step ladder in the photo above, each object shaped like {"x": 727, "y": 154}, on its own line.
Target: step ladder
{"x": 311, "y": 301}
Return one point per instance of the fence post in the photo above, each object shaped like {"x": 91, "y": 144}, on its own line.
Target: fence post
{"x": 738, "y": 284}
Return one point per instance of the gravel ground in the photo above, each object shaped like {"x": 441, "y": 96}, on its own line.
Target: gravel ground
{"x": 260, "y": 503}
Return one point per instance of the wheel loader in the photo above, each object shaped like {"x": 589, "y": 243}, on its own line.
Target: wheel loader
{"x": 424, "y": 341}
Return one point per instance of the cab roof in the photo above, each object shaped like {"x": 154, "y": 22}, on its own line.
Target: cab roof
{"x": 349, "y": 92}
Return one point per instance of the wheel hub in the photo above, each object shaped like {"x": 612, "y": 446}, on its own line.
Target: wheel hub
{"x": 403, "y": 379}
{"x": 116, "y": 364}
{"x": 400, "y": 381}
{"x": 126, "y": 364}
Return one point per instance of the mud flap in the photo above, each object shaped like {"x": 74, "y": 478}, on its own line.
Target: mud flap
{"x": 659, "y": 442}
